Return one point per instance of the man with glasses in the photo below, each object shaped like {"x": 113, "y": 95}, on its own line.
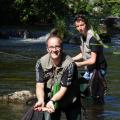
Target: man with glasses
{"x": 57, "y": 85}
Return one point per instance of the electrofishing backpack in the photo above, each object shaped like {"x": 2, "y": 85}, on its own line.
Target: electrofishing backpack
{"x": 97, "y": 85}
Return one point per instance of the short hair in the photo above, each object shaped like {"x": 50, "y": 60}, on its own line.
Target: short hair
{"x": 54, "y": 31}
{"x": 54, "y": 36}
{"x": 81, "y": 17}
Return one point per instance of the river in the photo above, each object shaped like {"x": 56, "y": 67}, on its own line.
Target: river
{"x": 17, "y": 72}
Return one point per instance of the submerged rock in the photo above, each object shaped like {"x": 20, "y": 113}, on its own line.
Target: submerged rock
{"x": 18, "y": 97}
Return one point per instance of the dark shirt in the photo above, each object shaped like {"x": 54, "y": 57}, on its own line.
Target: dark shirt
{"x": 96, "y": 47}
{"x": 69, "y": 79}
{"x": 67, "y": 76}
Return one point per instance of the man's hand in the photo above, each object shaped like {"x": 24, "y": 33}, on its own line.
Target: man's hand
{"x": 79, "y": 64}
{"x": 39, "y": 105}
{"x": 50, "y": 106}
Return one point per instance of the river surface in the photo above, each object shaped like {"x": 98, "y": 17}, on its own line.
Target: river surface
{"x": 17, "y": 72}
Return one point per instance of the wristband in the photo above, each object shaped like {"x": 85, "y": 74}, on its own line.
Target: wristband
{"x": 52, "y": 101}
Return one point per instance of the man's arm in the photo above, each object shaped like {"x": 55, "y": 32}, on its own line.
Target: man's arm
{"x": 89, "y": 61}
{"x": 40, "y": 91}
{"x": 77, "y": 57}
{"x": 40, "y": 96}
{"x": 59, "y": 94}
{"x": 65, "y": 82}
{"x": 56, "y": 97}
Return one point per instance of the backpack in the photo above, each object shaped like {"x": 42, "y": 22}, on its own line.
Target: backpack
{"x": 97, "y": 85}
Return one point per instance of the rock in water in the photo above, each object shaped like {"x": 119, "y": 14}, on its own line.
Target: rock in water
{"x": 18, "y": 96}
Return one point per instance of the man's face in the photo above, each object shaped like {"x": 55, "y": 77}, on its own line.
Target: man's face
{"x": 81, "y": 27}
{"x": 54, "y": 48}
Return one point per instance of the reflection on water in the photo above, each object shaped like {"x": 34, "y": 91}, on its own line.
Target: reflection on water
{"x": 17, "y": 72}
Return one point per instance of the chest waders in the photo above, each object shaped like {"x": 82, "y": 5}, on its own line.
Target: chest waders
{"x": 87, "y": 87}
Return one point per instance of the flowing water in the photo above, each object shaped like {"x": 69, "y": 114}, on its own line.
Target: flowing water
{"x": 17, "y": 72}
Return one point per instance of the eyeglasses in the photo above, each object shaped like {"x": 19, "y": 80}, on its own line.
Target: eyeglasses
{"x": 54, "y": 47}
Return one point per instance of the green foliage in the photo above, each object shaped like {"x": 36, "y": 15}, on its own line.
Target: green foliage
{"x": 115, "y": 10}
{"x": 89, "y": 8}
{"x": 41, "y": 11}
{"x": 19, "y": 2}
{"x": 77, "y": 5}
{"x": 25, "y": 9}
{"x": 60, "y": 26}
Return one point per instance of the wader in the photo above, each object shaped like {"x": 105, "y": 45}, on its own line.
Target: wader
{"x": 95, "y": 85}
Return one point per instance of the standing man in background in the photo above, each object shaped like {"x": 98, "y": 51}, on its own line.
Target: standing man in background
{"x": 91, "y": 56}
